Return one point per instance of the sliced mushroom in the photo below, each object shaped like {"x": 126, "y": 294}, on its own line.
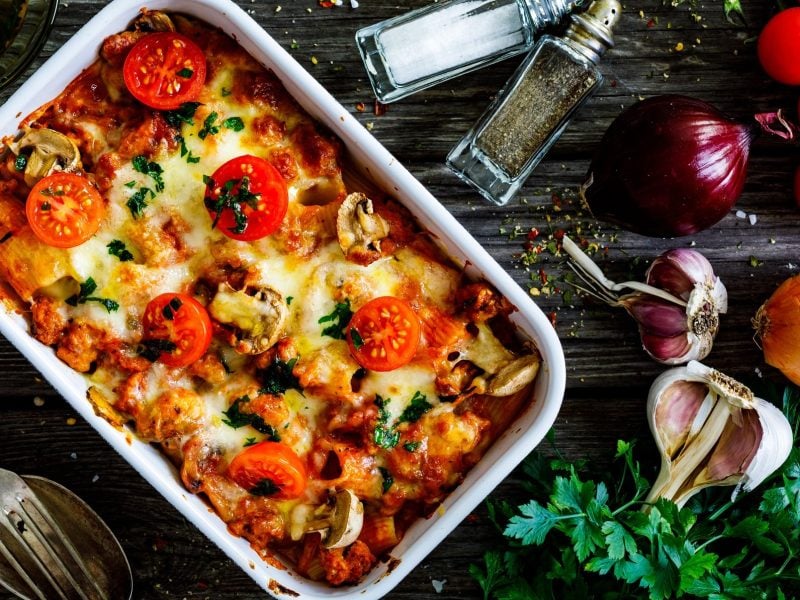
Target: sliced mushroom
{"x": 360, "y": 229}
{"x": 50, "y": 151}
{"x": 510, "y": 378}
{"x": 256, "y": 316}
{"x": 339, "y": 521}
{"x": 153, "y": 20}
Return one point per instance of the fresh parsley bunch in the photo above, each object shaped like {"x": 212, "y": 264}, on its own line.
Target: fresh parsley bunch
{"x": 580, "y": 538}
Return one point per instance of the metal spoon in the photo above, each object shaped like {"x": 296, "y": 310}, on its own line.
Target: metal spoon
{"x": 53, "y": 546}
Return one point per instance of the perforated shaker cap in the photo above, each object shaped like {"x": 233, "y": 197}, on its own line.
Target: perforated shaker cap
{"x": 592, "y": 31}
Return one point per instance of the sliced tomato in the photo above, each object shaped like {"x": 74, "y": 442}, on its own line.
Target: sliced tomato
{"x": 64, "y": 210}
{"x": 177, "y": 329}
{"x": 165, "y": 69}
{"x": 383, "y": 334}
{"x": 246, "y": 198}
{"x": 270, "y": 469}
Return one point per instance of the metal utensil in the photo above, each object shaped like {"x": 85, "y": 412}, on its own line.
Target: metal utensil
{"x": 53, "y": 546}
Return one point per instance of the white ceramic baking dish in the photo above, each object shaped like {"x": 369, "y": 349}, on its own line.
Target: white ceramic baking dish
{"x": 374, "y": 161}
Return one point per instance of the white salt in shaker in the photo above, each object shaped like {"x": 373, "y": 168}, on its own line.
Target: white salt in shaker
{"x": 430, "y": 45}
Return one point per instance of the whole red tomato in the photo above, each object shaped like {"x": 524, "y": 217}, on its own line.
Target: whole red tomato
{"x": 779, "y": 47}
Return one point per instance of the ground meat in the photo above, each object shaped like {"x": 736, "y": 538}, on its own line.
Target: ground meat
{"x": 318, "y": 154}
{"x": 175, "y": 413}
{"x": 268, "y": 129}
{"x": 347, "y": 565}
{"x": 259, "y": 521}
{"x": 479, "y": 302}
{"x": 116, "y": 47}
{"x": 48, "y": 322}
{"x": 130, "y": 395}
{"x": 209, "y": 368}
{"x": 80, "y": 346}
{"x": 150, "y": 136}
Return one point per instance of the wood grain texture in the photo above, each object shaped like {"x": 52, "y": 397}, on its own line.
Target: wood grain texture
{"x": 608, "y": 372}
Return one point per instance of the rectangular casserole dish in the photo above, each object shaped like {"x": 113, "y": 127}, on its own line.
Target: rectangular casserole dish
{"x": 373, "y": 162}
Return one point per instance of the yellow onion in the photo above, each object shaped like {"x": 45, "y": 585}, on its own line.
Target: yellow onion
{"x": 777, "y": 325}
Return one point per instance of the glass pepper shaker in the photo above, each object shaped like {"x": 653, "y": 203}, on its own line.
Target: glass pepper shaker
{"x": 430, "y": 45}
{"x": 535, "y": 106}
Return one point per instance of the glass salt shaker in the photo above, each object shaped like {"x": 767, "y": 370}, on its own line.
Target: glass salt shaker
{"x": 430, "y": 45}
{"x": 530, "y": 113}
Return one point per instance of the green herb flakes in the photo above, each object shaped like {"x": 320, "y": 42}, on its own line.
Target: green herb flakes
{"x": 278, "y": 377}
{"x": 20, "y": 163}
{"x": 418, "y": 406}
{"x": 384, "y": 435}
{"x": 234, "y": 123}
{"x": 338, "y": 319}
{"x": 118, "y": 249}
{"x": 184, "y": 114}
{"x": 358, "y": 341}
{"x": 209, "y": 128}
{"x": 150, "y": 168}
{"x": 185, "y": 73}
{"x": 87, "y": 288}
{"x": 388, "y": 480}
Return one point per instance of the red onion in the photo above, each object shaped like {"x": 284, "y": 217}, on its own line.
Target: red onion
{"x": 672, "y": 165}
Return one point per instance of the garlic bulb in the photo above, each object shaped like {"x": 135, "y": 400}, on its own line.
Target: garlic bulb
{"x": 711, "y": 430}
{"x": 677, "y": 309}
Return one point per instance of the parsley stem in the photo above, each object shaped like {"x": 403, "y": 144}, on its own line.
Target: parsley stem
{"x": 709, "y": 541}
{"x": 717, "y": 513}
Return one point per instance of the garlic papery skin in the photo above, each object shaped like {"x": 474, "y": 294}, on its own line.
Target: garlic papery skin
{"x": 677, "y": 308}
{"x": 711, "y": 430}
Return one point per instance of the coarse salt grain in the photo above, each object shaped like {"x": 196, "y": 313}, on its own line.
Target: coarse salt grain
{"x": 353, "y": 3}
{"x": 740, "y": 214}
{"x": 438, "y": 585}
{"x": 752, "y": 218}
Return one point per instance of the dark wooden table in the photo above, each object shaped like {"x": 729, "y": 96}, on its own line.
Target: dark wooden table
{"x": 660, "y": 49}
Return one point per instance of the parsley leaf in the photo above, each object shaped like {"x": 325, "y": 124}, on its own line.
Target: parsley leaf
{"x": 226, "y": 199}
{"x": 338, "y": 319}
{"x": 278, "y": 377}
{"x": 385, "y": 435}
{"x": 118, "y": 249}
{"x": 225, "y": 92}
{"x": 358, "y": 341}
{"x": 153, "y": 348}
{"x": 236, "y": 418}
{"x": 87, "y": 288}
{"x": 185, "y": 73}
{"x": 208, "y": 126}
{"x": 251, "y": 441}
{"x": 138, "y": 202}
{"x": 150, "y": 168}
{"x": 171, "y": 307}
{"x": 412, "y": 446}
{"x": 20, "y": 162}
{"x": 190, "y": 158}
{"x": 234, "y": 123}
{"x": 418, "y": 406}
{"x": 388, "y": 480}
{"x": 265, "y": 487}
{"x": 183, "y": 114}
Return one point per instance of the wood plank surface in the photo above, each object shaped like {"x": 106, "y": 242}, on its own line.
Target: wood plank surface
{"x": 608, "y": 373}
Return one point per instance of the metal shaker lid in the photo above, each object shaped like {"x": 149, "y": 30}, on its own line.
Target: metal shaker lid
{"x": 592, "y": 30}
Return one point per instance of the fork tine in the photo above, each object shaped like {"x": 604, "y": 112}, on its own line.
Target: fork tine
{"x": 20, "y": 570}
{"x": 29, "y": 541}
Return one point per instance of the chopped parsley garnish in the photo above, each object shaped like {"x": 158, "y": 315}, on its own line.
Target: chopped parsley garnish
{"x": 208, "y": 126}
{"x": 152, "y": 349}
{"x": 265, "y": 487}
{"x": 191, "y": 159}
{"x": 185, "y": 73}
{"x": 249, "y": 442}
{"x": 385, "y": 435}
{"x": 289, "y": 300}
{"x": 338, "y": 319}
{"x": 412, "y": 446}
{"x": 45, "y": 206}
{"x": 138, "y": 202}
{"x": 6, "y": 237}
{"x": 150, "y": 168}
{"x": 236, "y": 419}
{"x": 229, "y": 200}
{"x": 130, "y": 184}
{"x": 755, "y": 261}
{"x": 183, "y": 114}
{"x": 278, "y": 377}
{"x": 224, "y": 363}
{"x": 234, "y": 123}
{"x": 418, "y": 406}
{"x": 388, "y": 480}
{"x": 118, "y": 249}
{"x": 21, "y": 162}
{"x": 88, "y": 288}
{"x": 171, "y": 307}
{"x": 358, "y": 341}
{"x": 225, "y": 92}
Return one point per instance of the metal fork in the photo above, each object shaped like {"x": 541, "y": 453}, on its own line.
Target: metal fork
{"x": 44, "y": 562}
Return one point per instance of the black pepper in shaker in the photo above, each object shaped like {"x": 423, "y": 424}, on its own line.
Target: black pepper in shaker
{"x": 516, "y": 131}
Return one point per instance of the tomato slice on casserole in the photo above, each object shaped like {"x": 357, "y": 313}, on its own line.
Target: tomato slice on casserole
{"x": 384, "y": 334}
{"x": 270, "y": 469}
{"x": 247, "y": 198}
{"x": 64, "y": 210}
{"x": 177, "y": 330}
{"x": 164, "y": 70}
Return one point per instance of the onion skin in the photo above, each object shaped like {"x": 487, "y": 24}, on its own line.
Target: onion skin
{"x": 777, "y": 324}
{"x": 668, "y": 166}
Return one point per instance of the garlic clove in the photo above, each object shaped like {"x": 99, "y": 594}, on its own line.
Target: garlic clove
{"x": 775, "y": 447}
{"x": 675, "y": 414}
{"x": 655, "y": 316}
{"x": 678, "y": 271}
{"x": 670, "y": 351}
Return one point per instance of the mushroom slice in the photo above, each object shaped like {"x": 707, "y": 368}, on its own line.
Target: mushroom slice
{"x": 360, "y": 230}
{"x": 339, "y": 524}
{"x": 256, "y": 315}
{"x": 511, "y": 377}
{"x": 51, "y": 151}
{"x": 153, "y": 20}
